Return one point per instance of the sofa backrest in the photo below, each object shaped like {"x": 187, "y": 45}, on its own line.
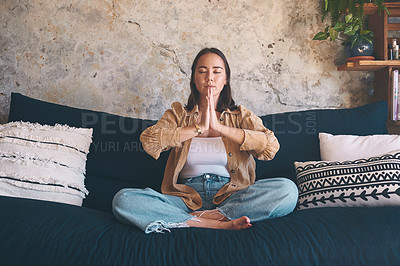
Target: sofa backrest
{"x": 117, "y": 160}
{"x": 297, "y": 133}
{"x": 116, "y": 157}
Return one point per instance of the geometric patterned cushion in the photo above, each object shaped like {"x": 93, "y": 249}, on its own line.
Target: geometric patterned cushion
{"x": 368, "y": 182}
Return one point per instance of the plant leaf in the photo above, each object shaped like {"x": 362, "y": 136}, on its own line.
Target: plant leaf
{"x": 367, "y": 39}
{"x": 321, "y": 36}
{"x": 352, "y": 45}
{"x": 333, "y": 34}
{"x": 339, "y": 26}
{"x": 348, "y": 18}
{"x": 348, "y": 29}
{"x": 364, "y": 32}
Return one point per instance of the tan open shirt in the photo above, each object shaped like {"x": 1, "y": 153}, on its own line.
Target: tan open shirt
{"x": 259, "y": 142}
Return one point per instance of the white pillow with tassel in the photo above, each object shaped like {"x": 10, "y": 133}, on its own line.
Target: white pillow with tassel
{"x": 44, "y": 162}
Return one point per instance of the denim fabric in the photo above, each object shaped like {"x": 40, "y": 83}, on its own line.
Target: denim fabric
{"x": 207, "y": 185}
{"x": 265, "y": 199}
{"x": 150, "y": 210}
{"x": 155, "y": 212}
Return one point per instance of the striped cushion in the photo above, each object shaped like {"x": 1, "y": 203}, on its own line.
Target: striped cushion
{"x": 367, "y": 182}
{"x": 44, "y": 162}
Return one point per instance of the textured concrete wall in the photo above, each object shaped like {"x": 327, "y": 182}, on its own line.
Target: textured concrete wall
{"x": 133, "y": 58}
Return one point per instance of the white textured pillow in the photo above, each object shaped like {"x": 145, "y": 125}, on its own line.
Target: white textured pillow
{"x": 349, "y": 147}
{"x": 369, "y": 182}
{"x": 44, "y": 162}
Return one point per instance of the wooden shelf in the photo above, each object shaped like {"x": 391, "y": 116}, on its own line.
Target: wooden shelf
{"x": 392, "y": 122}
{"x": 393, "y": 26}
{"x": 368, "y": 65}
{"x": 393, "y": 127}
{"x": 370, "y": 8}
{"x": 378, "y": 22}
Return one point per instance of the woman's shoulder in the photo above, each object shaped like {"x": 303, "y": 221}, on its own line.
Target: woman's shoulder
{"x": 242, "y": 110}
{"x": 177, "y": 108}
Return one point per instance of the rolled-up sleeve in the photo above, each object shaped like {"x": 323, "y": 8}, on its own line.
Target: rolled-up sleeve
{"x": 162, "y": 136}
{"x": 258, "y": 140}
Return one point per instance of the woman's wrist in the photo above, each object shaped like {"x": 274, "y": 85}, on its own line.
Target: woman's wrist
{"x": 198, "y": 129}
{"x": 188, "y": 132}
{"x": 220, "y": 128}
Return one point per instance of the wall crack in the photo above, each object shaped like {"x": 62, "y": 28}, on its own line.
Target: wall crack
{"x": 68, "y": 8}
{"x": 25, "y": 6}
{"x": 174, "y": 56}
{"x": 134, "y": 23}
{"x": 276, "y": 92}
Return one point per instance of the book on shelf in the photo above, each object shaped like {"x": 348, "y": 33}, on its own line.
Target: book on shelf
{"x": 397, "y": 103}
{"x": 394, "y": 110}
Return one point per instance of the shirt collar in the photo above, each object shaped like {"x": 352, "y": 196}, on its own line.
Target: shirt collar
{"x": 235, "y": 111}
{"x": 194, "y": 110}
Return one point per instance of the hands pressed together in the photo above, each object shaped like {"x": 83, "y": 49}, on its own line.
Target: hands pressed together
{"x": 209, "y": 121}
{"x": 209, "y": 117}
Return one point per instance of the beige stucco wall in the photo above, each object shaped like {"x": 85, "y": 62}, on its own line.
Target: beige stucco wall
{"x": 133, "y": 58}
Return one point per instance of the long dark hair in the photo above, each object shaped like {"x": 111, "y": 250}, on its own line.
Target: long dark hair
{"x": 225, "y": 100}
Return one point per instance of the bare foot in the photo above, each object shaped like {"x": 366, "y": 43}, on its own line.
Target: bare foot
{"x": 241, "y": 223}
{"x": 237, "y": 224}
{"x": 211, "y": 214}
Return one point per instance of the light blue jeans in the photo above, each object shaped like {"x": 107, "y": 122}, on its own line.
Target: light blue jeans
{"x": 152, "y": 211}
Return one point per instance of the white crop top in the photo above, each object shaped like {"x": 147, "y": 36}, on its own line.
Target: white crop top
{"x": 206, "y": 155}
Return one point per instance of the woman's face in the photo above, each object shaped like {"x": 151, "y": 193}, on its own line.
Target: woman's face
{"x": 210, "y": 74}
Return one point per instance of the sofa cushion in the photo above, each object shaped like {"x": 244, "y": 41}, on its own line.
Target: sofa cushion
{"x": 370, "y": 182}
{"x": 116, "y": 158}
{"x": 297, "y": 133}
{"x": 49, "y": 233}
{"x": 44, "y": 162}
{"x": 350, "y": 147}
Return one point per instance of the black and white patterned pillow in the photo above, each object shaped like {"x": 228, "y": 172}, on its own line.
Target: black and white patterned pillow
{"x": 368, "y": 182}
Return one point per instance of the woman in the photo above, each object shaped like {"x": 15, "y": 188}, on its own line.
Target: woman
{"x": 209, "y": 179}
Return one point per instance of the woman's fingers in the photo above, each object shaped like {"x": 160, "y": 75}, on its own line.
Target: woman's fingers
{"x": 213, "y": 114}
{"x": 210, "y": 99}
{"x": 205, "y": 118}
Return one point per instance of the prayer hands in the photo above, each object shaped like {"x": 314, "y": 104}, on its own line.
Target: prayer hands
{"x": 209, "y": 118}
{"x": 214, "y": 123}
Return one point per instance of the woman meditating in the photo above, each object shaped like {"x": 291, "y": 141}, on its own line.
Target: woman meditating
{"x": 209, "y": 179}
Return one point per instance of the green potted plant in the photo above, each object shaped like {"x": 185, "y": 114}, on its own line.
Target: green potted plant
{"x": 348, "y": 24}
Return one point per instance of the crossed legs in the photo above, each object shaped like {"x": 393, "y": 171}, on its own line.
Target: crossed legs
{"x": 265, "y": 199}
{"x": 154, "y": 212}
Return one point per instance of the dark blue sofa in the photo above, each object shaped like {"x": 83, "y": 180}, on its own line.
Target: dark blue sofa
{"x": 34, "y": 232}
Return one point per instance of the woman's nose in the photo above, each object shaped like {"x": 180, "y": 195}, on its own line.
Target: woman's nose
{"x": 210, "y": 77}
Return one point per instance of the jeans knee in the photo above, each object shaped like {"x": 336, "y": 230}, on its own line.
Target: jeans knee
{"x": 127, "y": 198}
{"x": 291, "y": 193}
{"x": 135, "y": 198}
{"x": 120, "y": 199}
